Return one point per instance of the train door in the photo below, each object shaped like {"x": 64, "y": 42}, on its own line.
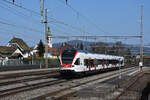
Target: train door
{"x": 99, "y": 64}
{"x": 89, "y": 64}
{"x": 86, "y": 64}
{"x": 95, "y": 64}
{"x": 82, "y": 64}
{"x": 103, "y": 64}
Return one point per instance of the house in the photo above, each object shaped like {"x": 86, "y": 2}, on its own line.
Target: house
{"x": 7, "y": 53}
{"x": 16, "y": 48}
{"x": 24, "y": 49}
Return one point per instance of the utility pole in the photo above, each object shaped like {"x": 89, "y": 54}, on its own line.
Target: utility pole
{"x": 46, "y": 42}
{"x": 141, "y": 35}
{"x": 46, "y": 31}
{"x": 83, "y": 35}
{"x": 42, "y": 7}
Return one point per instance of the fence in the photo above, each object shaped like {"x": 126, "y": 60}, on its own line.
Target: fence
{"x": 17, "y": 64}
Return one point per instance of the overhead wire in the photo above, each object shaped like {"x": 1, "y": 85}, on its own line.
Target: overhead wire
{"x": 17, "y": 33}
{"x": 38, "y": 14}
{"x": 73, "y": 27}
{"x": 16, "y": 12}
{"x": 82, "y": 15}
{"x": 18, "y": 26}
{"x": 31, "y": 11}
{"x": 20, "y": 14}
{"x": 14, "y": 33}
{"x": 7, "y": 22}
{"x": 57, "y": 28}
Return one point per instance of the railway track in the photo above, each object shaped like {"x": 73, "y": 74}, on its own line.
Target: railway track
{"x": 134, "y": 88}
{"x": 28, "y": 85}
{"x": 27, "y": 78}
{"x": 22, "y": 74}
{"x": 15, "y": 83}
{"x": 56, "y": 95}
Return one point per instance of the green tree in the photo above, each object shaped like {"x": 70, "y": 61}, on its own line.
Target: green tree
{"x": 118, "y": 49}
{"x": 99, "y": 47}
{"x": 128, "y": 56}
{"x": 41, "y": 49}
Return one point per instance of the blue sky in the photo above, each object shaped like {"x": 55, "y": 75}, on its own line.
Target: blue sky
{"x": 95, "y": 17}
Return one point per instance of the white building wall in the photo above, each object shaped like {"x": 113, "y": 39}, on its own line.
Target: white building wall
{"x": 49, "y": 55}
{"x": 50, "y": 41}
{"x": 18, "y": 51}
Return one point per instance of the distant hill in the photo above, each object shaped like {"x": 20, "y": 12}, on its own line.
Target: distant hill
{"x": 133, "y": 48}
{"x": 74, "y": 43}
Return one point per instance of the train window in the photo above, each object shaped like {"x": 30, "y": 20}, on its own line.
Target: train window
{"x": 67, "y": 56}
{"x": 85, "y": 62}
{"x": 107, "y": 62}
{"x": 117, "y": 61}
{"x": 113, "y": 62}
{"x": 77, "y": 62}
{"x": 99, "y": 61}
{"x": 110, "y": 61}
{"x": 121, "y": 62}
{"x": 104, "y": 61}
{"x": 91, "y": 63}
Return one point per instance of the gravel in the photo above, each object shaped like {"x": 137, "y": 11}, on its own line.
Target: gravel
{"x": 49, "y": 89}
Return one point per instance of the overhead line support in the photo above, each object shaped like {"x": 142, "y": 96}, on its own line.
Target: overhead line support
{"x": 46, "y": 44}
{"x": 96, "y": 37}
{"x": 141, "y": 34}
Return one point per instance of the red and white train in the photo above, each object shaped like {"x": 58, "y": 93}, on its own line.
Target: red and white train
{"x": 82, "y": 62}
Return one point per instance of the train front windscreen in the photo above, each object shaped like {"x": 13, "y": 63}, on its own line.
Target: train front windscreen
{"x": 67, "y": 56}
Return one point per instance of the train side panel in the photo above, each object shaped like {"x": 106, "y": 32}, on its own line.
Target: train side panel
{"x": 84, "y": 62}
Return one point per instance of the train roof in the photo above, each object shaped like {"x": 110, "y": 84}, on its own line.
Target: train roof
{"x": 86, "y": 52}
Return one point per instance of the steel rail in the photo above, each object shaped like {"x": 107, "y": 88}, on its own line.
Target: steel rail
{"x": 24, "y": 88}
{"x": 131, "y": 84}
{"x": 16, "y": 75}
{"x": 43, "y": 97}
{"x": 15, "y": 81}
